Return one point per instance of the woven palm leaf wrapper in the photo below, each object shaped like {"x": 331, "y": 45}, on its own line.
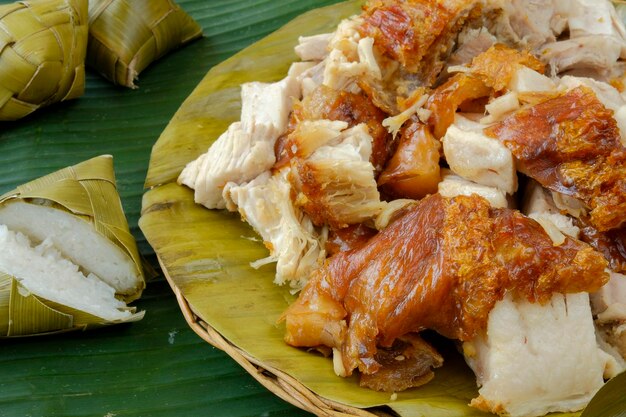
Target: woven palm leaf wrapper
{"x": 83, "y": 196}
{"x": 42, "y": 54}
{"x": 125, "y": 36}
{"x": 206, "y": 255}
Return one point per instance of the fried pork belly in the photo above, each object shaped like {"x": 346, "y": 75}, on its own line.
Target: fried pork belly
{"x": 539, "y": 205}
{"x": 295, "y": 244}
{"x": 410, "y": 42}
{"x": 528, "y": 81}
{"x": 537, "y": 200}
{"x": 452, "y": 185}
{"x": 313, "y": 48}
{"x": 571, "y": 144}
{"x": 413, "y": 39}
{"x": 597, "y": 38}
{"x": 589, "y": 52}
{"x": 324, "y": 103}
{"x": 443, "y": 264}
{"x": 348, "y": 238}
{"x": 335, "y": 185}
{"x": 471, "y": 43}
{"x": 246, "y": 149}
{"x": 526, "y": 24}
{"x": 612, "y": 244}
{"x": 307, "y": 137}
{"x": 353, "y": 64}
{"x": 297, "y": 69}
{"x": 448, "y": 97}
{"x": 310, "y": 78}
{"x": 392, "y": 210}
{"x": 490, "y": 73}
{"x": 350, "y": 57}
{"x": 413, "y": 170}
{"x": 590, "y": 34}
{"x": 479, "y": 158}
{"x": 569, "y": 205}
{"x": 501, "y": 106}
{"x": 609, "y": 302}
{"x": 413, "y": 108}
{"x": 609, "y": 305}
{"x": 616, "y": 364}
{"x": 606, "y": 93}
{"x": 408, "y": 363}
{"x": 416, "y": 33}
{"x": 497, "y": 66}
{"x": 534, "y": 358}
{"x": 591, "y": 17}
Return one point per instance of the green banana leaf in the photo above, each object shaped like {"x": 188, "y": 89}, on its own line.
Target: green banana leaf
{"x": 158, "y": 366}
{"x": 609, "y": 402}
{"x": 207, "y": 253}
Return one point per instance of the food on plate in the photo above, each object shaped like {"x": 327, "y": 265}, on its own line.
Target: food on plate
{"x": 68, "y": 260}
{"x": 441, "y": 264}
{"x": 489, "y": 73}
{"x": 607, "y": 304}
{"x": 529, "y": 337}
{"x": 612, "y": 244}
{"x": 246, "y": 149}
{"x": 325, "y": 103}
{"x": 571, "y": 144}
{"x": 43, "y": 54}
{"x": 413, "y": 170}
{"x": 125, "y": 36}
{"x": 489, "y": 208}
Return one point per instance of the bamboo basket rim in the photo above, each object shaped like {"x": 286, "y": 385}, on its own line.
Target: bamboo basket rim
{"x": 278, "y": 382}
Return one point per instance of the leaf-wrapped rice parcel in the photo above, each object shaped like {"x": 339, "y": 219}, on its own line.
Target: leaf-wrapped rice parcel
{"x": 125, "y": 36}
{"x": 67, "y": 258}
{"x": 42, "y": 54}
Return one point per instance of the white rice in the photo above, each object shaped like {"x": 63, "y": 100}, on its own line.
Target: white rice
{"x": 76, "y": 239}
{"x": 43, "y": 271}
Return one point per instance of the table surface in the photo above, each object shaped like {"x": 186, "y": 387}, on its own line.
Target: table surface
{"x": 158, "y": 366}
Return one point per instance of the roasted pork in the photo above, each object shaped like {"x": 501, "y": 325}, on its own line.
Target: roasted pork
{"x": 442, "y": 265}
{"x": 571, "y": 144}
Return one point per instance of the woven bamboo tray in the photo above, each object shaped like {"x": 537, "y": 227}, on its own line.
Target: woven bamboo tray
{"x": 281, "y": 384}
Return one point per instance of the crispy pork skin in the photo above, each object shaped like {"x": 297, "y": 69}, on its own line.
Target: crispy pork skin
{"x": 413, "y": 170}
{"x": 490, "y": 73}
{"x": 443, "y": 265}
{"x": 571, "y": 144}
{"x": 324, "y": 103}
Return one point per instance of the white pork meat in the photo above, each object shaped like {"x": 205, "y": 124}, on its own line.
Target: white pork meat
{"x": 478, "y": 158}
{"x": 246, "y": 149}
{"x": 295, "y": 244}
{"x": 534, "y": 359}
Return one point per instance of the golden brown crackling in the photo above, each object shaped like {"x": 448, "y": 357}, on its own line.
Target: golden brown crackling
{"x": 326, "y": 103}
{"x": 442, "y": 265}
{"x": 571, "y": 144}
{"x": 348, "y": 238}
{"x": 489, "y": 74}
{"x": 612, "y": 244}
{"x": 405, "y": 30}
{"x": 413, "y": 170}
